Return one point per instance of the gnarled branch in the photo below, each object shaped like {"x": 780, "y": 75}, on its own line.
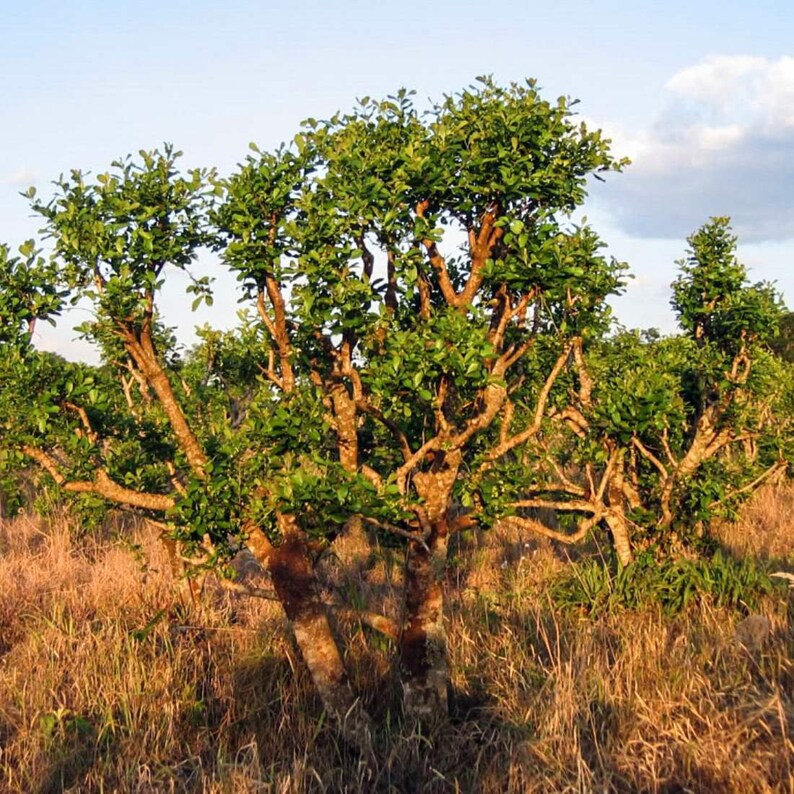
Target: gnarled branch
{"x": 102, "y": 485}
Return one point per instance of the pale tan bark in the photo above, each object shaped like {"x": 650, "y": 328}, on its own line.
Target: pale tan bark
{"x": 296, "y": 585}
{"x": 706, "y": 442}
{"x": 344, "y": 409}
{"x": 143, "y": 354}
{"x": 615, "y": 515}
{"x": 584, "y": 527}
{"x": 507, "y": 444}
{"x": 621, "y": 540}
{"x": 481, "y": 245}
{"x": 102, "y": 485}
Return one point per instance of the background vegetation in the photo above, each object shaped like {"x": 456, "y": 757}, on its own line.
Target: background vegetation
{"x": 427, "y": 355}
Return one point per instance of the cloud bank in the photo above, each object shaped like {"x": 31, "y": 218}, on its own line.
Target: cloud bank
{"x": 723, "y": 145}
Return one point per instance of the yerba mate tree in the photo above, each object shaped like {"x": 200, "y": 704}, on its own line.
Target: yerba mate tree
{"x": 140, "y": 431}
{"x": 407, "y": 274}
{"x": 659, "y": 435}
{"x": 411, "y": 270}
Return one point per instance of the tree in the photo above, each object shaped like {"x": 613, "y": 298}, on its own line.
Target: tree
{"x": 28, "y": 293}
{"x": 783, "y": 342}
{"x": 379, "y": 360}
{"x": 418, "y": 356}
{"x": 667, "y": 432}
{"x": 411, "y": 352}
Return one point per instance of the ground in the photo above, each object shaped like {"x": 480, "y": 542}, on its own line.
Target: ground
{"x": 110, "y": 679}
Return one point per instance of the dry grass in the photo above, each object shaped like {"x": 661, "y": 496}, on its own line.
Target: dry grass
{"x": 765, "y": 527}
{"x": 110, "y": 683}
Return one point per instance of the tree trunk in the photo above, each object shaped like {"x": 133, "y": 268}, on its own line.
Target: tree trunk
{"x": 296, "y": 586}
{"x": 618, "y": 526}
{"x": 423, "y": 644}
{"x": 616, "y": 516}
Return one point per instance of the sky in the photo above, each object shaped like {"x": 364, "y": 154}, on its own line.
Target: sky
{"x": 699, "y": 94}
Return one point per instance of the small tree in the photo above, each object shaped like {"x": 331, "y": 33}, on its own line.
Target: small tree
{"x": 28, "y": 293}
{"x": 411, "y": 351}
{"x": 422, "y": 308}
{"x": 662, "y": 433}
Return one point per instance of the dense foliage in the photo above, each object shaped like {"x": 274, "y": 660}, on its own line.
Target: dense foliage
{"x": 427, "y": 347}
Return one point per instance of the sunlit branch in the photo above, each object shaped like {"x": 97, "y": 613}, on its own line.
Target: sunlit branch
{"x": 102, "y": 485}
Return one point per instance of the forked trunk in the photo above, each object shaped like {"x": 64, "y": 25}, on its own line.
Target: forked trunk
{"x": 423, "y": 643}
{"x": 295, "y": 583}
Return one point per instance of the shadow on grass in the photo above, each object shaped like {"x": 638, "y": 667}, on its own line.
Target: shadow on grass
{"x": 276, "y": 712}
{"x": 73, "y": 750}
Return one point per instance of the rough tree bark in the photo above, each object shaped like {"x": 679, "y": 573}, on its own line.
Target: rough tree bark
{"x": 423, "y": 643}
{"x": 615, "y": 515}
{"x": 424, "y": 658}
{"x": 295, "y": 583}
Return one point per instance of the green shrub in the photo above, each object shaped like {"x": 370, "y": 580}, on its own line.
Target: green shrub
{"x": 596, "y": 586}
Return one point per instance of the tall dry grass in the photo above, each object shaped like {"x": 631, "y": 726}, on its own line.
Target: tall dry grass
{"x": 110, "y": 682}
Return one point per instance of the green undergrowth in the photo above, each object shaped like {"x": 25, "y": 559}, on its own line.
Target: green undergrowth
{"x": 596, "y": 585}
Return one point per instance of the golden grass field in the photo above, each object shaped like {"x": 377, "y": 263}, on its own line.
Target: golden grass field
{"x": 110, "y": 681}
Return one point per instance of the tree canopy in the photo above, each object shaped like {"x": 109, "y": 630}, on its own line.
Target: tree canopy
{"x": 426, "y": 346}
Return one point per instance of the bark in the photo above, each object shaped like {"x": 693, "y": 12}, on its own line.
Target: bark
{"x": 344, "y": 407}
{"x": 102, "y": 485}
{"x": 189, "y": 443}
{"x": 424, "y": 658}
{"x": 296, "y": 585}
{"x": 423, "y": 644}
{"x": 705, "y": 443}
{"x": 143, "y": 354}
{"x": 615, "y": 515}
{"x": 619, "y": 528}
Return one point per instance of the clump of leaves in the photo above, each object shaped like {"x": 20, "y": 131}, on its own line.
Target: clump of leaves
{"x": 597, "y": 587}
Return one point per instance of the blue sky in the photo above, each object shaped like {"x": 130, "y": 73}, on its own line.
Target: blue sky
{"x": 699, "y": 94}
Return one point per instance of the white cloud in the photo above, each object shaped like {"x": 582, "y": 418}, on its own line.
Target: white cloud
{"x": 722, "y": 145}
{"x": 21, "y": 177}
{"x": 732, "y": 84}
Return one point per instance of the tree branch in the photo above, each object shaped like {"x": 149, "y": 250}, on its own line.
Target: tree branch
{"x": 81, "y": 412}
{"x": 365, "y": 407}
{"x": 391, "y": 283}
{"x": 419, "y": 537}
{"x": 234, "y": 586}
{"x": 505, "y": 446}
{"x": 103, "y": 485}
{"x": 367, "y": 258}
{"x": 667, "y": 451}
{"x": 143, "y": 354}
{"x": 277, "y": 327}
{"x": 381, "y": 623}
{"x": 486, "y": 240}
{"x": 573, "y": 505}
{"x": 648, "y": 455}
{"x": 437, "y": 261}
{"x": 535, "y": 526}
{"x": 401, "y": 475}
{"x": 776, "y": 467}
{"x": 585, "y": 381}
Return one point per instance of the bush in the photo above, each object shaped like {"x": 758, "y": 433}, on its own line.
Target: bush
{"x": 596, "y": 586}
